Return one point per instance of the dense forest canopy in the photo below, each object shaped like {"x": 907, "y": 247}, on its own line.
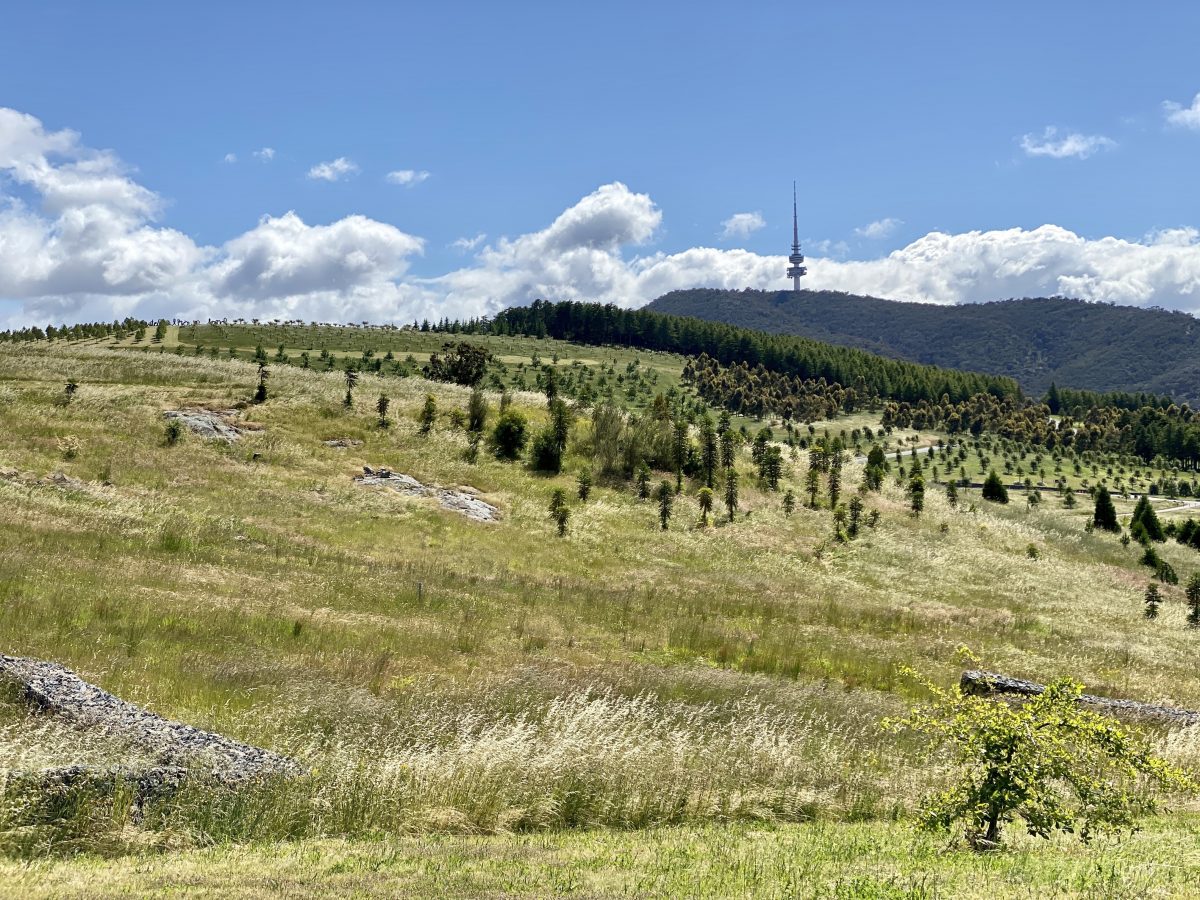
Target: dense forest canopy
{"x": 796, "y": 357}
{"x": 1090, "y": 346}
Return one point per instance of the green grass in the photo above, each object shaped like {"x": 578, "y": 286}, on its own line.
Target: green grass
{"x": 444, "y": 676}
{"x": 866, "y": 860}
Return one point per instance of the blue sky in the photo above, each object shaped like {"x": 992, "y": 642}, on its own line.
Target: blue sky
{"x": 898, "y": 121}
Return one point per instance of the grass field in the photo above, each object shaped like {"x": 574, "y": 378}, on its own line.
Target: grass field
{"x": 445, "y": 677}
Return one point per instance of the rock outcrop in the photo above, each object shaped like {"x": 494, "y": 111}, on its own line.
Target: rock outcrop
{"x": 459, "y": 501}
{"x": 983, "y": 683}
{"x": 209, "y": 425}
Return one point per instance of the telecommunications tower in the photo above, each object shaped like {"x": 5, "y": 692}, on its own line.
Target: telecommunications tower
{"x": 797, "y": 267}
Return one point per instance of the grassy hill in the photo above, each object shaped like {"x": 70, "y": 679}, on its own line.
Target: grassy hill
{"x": 1090, "y": 346}
{"x": 493, "y": 709}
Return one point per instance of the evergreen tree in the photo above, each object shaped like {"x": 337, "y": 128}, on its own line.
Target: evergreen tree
{"x": 1105, "y": 514}
{"x": 994, "y": 489}
{"x": 856, "y": 510}
{"x": 708, "y": 451}
{"x": 381, "y": 407}
{"x": 643, "y": 481}
{"x": 509, "y": 435}
{"x": 916, "y": 493}
{"x": 731, "y": 492}
{"x": 1144, "y": 525}
{"x": 428, "y": 414}
{"x": 789, "y": 503}
{"x": 665, "y": 496}
{"x": 705, "y": 498}
{"x": 1152, "y": 599}
{"x": 812, "y": 483}
{"x": 952, "y": 494}
{"x": 584, "y": 482}
{"x": 260, "y": 392}
{"x": 559, "y": 511}
{"x": 1192, "y": 592}
{"x": 351, "y": 381}
{"x": 477, "y": 412}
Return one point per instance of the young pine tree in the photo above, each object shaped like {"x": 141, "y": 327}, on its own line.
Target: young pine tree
{"x": 1192, "y": 593}
{"x": 1152, "y": 599}
{"x": 994, "y": 489}
{"x": 559, "y": 511}
{"x": 705, "y": 499}
{"x": 1105, "y": 514}
{"x": 789, "y": 502}
{"x": 665, "y": 495}
{"x": 916, "y": 493}
{"x": 952, "y": 494}
{"x": 260, "y": 391}
{"x": 731, "y": 492}
{"x": 351, "y": 382}
{"x": 584, "y": 483}
{"x": 643, "y": 481}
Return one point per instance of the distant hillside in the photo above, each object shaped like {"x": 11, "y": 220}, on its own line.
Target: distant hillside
{"x": 1092, "y": 346}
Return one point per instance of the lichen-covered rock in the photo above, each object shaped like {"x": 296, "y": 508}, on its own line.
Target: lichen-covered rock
{"x": 56, "y": 690}
{"x": 976, "y": 682}
{"x": 209, "y": 425}
{"x": 459, "y": 501}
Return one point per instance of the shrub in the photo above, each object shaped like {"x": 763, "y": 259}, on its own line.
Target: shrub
{"x": 173, "y": 432}
{"x": 545, "y": 455}
{"x": 584, "y": 482}
{"x": 428, "y": 414}
{"x": 510, "y": 434}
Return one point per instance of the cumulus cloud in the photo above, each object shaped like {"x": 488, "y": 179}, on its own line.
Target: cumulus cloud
{"x": 230, "y": 158}
{"x": 80, "y": 240}
{"x": 334, "y": 170}
{"x": 265, "y": 154}
{"x": 742, "y": 225}
{"x": 1183, "y": 116}
{"x": 406, "y": 177}
{"x": 878, "y": 229}
{"x": 1073, "y": 145}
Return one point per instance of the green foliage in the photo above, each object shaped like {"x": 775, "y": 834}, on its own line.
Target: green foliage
{"x": 509, "y": 436}
{"x": 665, "y": 495}
{"x": 1152, "y": 599}
{"x": 643, "y": 481}
{"x": 477, "y": 412}
{"x": 545, "y": 455}
{"x": 1048, "y": 762}
{"x": 173, "y": 432}
{"x": 994, "y": 489}
{"x": 916, "y": 493}
{"x": 463, "y": 363}
{"x": 381, "y": 409}
{"x": 260, "y": 389}
{"x": 705, "y": 498}
{"x": 789, "y": 502}
{"x": 1192, "y": 593}
{"x": 952, "y": 494}
{"x": 428, "y": 414}
{"x": 584, "y": 484}
{"x": 559, "y": 511}
{"x": 1143, "y": 524}
{"x": 351, "y": 376}
{"x": 731, "y": 492}
{"x": 1105, "y": 515}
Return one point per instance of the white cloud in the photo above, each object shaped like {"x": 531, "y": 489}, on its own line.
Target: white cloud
{"x": 334, "y": 170}
{"x": 1184, "y": 116}
{"x": 266, "y": 154}
{"x": 465, "y": 244}
{"x": 742, "y": 225}
{"x": 230, "y": 158}
{"x": 406, "y": 177}
{"x": 79, "y": 241}
{"x": 879, "y": 229}
{"x": 1079, "y": 146}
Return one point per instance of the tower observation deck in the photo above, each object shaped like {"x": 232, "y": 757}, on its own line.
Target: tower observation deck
{"x": 797, "y": 269}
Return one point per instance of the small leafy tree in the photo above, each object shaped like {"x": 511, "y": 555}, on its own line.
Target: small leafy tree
{"x": 477, "y": 412}
{"x": 381, "y": 407}
{"x": 173, "y": 432}
{"x": 994, "y": 489}
{"x": 1152, "y": 599}
{"x": 665, "y": 496}
{"x": 705, "y": 499}
{"x": 789, "y": 502}
{"x": 584, "y": 484}
{"x": 1048, "y": 762}
{"x": 428, "y": 414}
{"x": 1105, "y": 514}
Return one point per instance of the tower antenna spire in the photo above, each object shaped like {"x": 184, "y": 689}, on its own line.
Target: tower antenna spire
{"x": 796, "y": 269}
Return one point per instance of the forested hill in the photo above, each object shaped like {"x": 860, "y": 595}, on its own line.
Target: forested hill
{"x": 1093, "y": 346}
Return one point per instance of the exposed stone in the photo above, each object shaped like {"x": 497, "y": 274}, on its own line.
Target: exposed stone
{"x": 209, "y": 425}
{"x": 460, "y": 500}
{"x": 342, "y": 443}
{"x": 983, "y": 683}
{"x": 57, "y": 691}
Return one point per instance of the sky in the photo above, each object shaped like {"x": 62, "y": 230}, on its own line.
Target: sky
{"x": 391, "y": 162}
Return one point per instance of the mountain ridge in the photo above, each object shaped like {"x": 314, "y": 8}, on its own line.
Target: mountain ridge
{"x": 1073, "y": 343}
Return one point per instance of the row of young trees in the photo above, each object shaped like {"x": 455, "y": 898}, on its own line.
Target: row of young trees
{"x": 77, "y": 332}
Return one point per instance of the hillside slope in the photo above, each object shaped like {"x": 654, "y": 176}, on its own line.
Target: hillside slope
{"x": 1074, "y": 343}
